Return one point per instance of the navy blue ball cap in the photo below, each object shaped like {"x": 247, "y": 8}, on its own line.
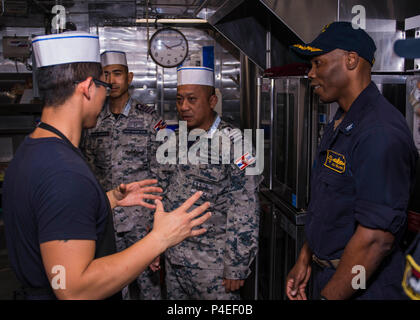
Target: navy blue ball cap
{"x": 339, "y": 35}
{"x": 409, "y": 48}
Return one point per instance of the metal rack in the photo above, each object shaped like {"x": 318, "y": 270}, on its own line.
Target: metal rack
{"x": 282, "y": 237}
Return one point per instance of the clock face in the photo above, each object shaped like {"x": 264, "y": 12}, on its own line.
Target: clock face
{"x": 168, "y": 47}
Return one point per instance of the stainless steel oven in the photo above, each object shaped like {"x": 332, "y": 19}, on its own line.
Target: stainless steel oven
{"x": 412, "y": 114}
{"x": 264, "y": 95}
{"x": 293, "y": 120}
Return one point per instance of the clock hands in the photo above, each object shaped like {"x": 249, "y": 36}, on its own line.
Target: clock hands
{"x": 177, "y": 45}
{"x": 170, "y": 47}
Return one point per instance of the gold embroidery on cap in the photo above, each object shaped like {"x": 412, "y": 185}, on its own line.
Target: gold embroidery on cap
{"x": 306, "y": 48}
{"x": 326, "y": 27}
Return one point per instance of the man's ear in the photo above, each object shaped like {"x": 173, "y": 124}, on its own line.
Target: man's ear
{"x": 213, "y": 101}
{"x": 130, "y": 77}
{"x": 104, "y": 76}
{"x": 84, "y": 87}
{"x": 352, "y": 60}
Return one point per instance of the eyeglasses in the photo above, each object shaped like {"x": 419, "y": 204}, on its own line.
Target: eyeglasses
{"x": 107, "y": 86}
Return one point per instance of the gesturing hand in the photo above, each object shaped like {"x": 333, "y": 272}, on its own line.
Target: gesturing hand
{"x": 134, "y": 194}
{"x": 175, "y": 226}
{"x": 155, "y": 265}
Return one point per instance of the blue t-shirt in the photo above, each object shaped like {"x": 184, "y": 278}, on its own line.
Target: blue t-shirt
{"x": 49, "y": 193}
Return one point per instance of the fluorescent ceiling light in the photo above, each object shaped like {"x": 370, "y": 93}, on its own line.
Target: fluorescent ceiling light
{"x": 205, "y": 13}
{"x": 171, "y": 21}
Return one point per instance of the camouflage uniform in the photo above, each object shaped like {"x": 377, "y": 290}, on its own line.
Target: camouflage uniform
{"x": 195, "y": 267}
{"x": 185, "y": 283}
{"x": 119, "y": 151}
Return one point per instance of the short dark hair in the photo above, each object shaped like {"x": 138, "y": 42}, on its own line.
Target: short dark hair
{"x": 211, "y": 91}
{"x": 56, "y": 83}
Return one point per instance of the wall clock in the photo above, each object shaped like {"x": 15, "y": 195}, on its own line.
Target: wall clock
{"x": 168, "y": 47}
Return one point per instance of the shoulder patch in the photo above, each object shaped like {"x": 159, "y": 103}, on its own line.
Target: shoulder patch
{"x": 146, "y": 108}
{"x": 233, "y": 134}
{"x": 411, "y": 281}
{"x": 244, "y": 161}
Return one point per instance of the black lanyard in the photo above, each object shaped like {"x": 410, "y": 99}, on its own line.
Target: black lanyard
{"x": 50, "y": 128}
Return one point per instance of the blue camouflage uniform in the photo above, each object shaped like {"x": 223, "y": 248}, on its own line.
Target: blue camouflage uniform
{"x": 363, "y": 174}
{"x": 120, "y": 149}
{"x": 196, "y": 267}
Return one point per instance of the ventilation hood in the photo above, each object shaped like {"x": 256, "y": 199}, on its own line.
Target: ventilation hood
{"x": 264, "y": 29}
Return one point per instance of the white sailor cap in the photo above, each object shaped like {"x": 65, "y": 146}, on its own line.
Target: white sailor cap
{"x": 113, "y": 57}
{"x": 66, "y": 47}
{"x": 195, "y": 75}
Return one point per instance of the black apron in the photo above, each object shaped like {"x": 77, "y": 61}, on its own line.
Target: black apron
{"x": 105, "y": 245}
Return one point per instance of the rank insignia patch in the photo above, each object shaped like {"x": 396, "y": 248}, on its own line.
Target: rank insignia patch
{"x": 335, "y": 161}
{"x": 146, "y": 108}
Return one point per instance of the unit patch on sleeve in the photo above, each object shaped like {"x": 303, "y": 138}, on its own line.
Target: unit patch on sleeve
{"x": 411, "y": 280}
{"x": 245, "y": 161}
{"x": 161, "y": 124}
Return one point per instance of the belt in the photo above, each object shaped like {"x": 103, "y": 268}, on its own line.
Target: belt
{"x": 326, "y": 263}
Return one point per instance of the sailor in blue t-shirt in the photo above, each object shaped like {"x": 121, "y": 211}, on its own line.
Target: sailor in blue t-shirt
{"x": 361, "y": 181}
{"x": 58, "y": 220}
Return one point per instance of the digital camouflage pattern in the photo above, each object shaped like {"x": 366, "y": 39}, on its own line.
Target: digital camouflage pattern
{"x": 148, "y": 282}
{"x": 231, "y": 241}
{"x": 184, "y": 283}
{"x": 120, "y": 150}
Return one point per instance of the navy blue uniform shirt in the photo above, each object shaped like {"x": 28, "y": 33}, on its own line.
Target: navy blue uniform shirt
{"x": 363, "y": 174}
